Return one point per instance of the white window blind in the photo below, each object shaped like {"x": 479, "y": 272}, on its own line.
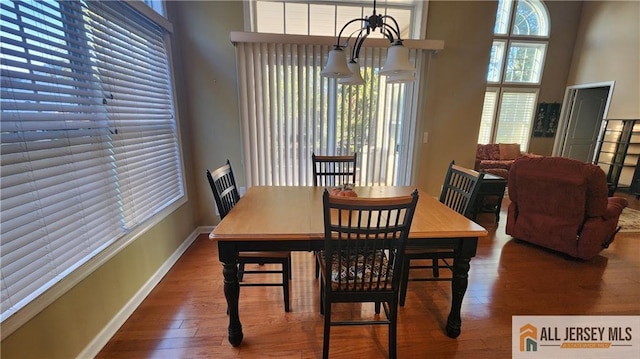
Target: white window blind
{"x": 89, "y": 141}
{"x": 488, "y": 113}
{"x": 516, "y": 117}
{"x": 289, "y": 111}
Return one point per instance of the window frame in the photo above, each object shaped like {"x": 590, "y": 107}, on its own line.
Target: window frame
{"x": 510, "y": 45}
{"x": 540, "y": 6}
{"x": 417, "y": 20}
{"x": 509, "y": 38}
{"x": 502, "y": 60}
{"x": 41, "y": 301}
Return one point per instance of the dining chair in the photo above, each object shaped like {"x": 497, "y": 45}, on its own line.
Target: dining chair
{"x": 459, "y": 192}
{"x": 364, "y": 242}
{"x": 332, "y": 171}
{"x": 225, "y": 193}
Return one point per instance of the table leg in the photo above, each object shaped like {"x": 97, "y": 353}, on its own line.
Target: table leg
{"x": 459, "y": 285}
{"x": 229, "y": 258}
{"x": 498, "y": 206}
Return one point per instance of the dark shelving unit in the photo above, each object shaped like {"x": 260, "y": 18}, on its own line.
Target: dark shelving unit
{"x": 619, "y": 154}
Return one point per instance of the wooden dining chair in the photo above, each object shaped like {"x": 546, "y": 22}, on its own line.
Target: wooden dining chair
{"x": 225, "y": 193}
{"x": 364, "y": 241}
{"x": 333, "y": 171}
{"x": 459, "y": 192}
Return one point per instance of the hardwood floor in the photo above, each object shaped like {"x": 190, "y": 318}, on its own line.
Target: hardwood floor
{"x": 184, "y": 316}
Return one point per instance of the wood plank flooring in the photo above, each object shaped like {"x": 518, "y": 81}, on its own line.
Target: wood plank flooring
{"x": 184, "y": 316}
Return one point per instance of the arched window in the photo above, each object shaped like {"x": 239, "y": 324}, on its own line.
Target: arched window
{"x": 521, "y": 34}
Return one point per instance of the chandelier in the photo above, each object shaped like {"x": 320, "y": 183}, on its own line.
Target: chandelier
{"x": 397, "y": 67}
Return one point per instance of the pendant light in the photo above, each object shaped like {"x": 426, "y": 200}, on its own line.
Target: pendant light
{"x": 397, "y": 62}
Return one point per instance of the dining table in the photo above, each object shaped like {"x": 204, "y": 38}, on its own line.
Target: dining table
{"x": 290, "y": 218}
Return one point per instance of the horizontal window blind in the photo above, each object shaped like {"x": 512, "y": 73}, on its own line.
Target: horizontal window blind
{"x": 89, "y": 143}
{"x": 516, "y": 117}
{"x": 289, "y": 111}
{"x": 133, "y": 69}
{"x": 488, "y": 114}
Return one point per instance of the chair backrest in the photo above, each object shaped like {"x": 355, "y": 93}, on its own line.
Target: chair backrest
{"x": 334, "y": 170}
{"x": 368, "y": 236}
{"x": 225, "y": 191}
{"x": 558, "y": 187}
{"x": 460, "y": 189}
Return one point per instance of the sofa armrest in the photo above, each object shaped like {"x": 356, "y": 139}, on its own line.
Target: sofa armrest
{"x": 493, "y": 164}
{"x": 615, "y": 206}
{"x": 529, "y": 154}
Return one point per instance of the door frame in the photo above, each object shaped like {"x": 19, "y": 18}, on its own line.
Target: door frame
{"x": 567, "y": 110}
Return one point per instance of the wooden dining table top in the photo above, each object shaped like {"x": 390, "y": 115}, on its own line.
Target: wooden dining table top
{"x": 296, "y": 213}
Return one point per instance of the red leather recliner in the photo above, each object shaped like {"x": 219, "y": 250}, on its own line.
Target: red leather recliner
{"x": 562, "y": 204}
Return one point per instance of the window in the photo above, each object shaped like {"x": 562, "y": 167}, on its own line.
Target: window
{"x": 89, "y": 140}
{"x": 289, "y": 111}
{"x": 156, "y": 5}
{"x": 280, "y": 17}
{"x": 515, "y": 70}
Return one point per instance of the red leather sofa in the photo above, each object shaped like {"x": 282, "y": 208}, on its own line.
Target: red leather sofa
{"x": 562, "y": 204}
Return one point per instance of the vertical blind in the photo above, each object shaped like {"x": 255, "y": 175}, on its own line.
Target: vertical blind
{"x": 288, "y": 111}
{"x": 89, "y": 142}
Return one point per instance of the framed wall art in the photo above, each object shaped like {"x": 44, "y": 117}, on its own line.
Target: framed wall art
{"x": 546, "y": 121}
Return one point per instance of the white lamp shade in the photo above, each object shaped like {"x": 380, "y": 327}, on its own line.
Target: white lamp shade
{"x": 336, "y": 65}
{"x": 397, "y": 61}
{"x": 401, "y": 78}
{"x": 355, "y": 78}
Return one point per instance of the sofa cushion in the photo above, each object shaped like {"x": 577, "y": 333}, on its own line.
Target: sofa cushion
{"x": 491, "y": 164}
{"x": 349, "y": 271}
{"x": 493, "y": 151}
{"x": 509, "y": 151}
{"x": 481, "y": 152}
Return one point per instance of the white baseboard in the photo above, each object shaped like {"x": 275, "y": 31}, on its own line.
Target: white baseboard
{"x": 93, "y": 348}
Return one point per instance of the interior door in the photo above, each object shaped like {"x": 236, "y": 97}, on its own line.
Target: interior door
{"x": 584, "y": 123}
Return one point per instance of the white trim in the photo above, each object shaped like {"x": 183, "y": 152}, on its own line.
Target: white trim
{"x": 510, "y": 45}
{"x": 150, "y": 13}
{"x": 176, "y": 112}
{"x": 100, "y": 340}
{"x": 257, "y": 37}
{"x": 565, "y": 112}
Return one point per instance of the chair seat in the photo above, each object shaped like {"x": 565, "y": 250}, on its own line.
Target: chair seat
{"x": 348, "y": 274}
